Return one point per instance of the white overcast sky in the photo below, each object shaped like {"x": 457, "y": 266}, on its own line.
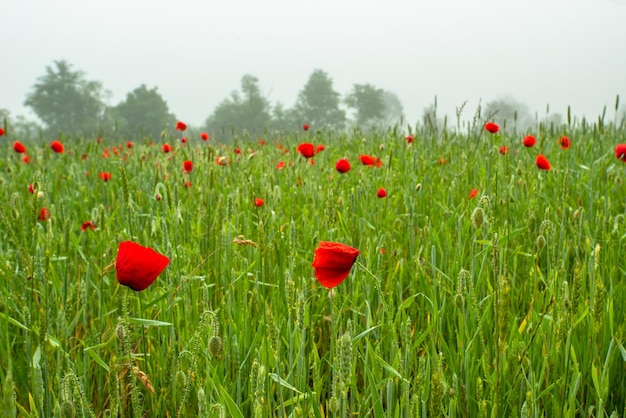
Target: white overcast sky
{"x": 556, "y": 52}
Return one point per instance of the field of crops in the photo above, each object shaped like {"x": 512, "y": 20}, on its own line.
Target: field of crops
{"x": 488, "y": 280}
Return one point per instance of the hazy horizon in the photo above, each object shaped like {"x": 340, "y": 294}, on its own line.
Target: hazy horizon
{"x": 555, "y": 53}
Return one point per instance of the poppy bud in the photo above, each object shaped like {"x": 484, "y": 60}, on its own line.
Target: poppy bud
{"x": 478, "y": 216}
{"x": 181, "y": 378}
{"x": 215, "y": 346}
{"x": 541, "y": 242}
{"x": 67, "y": 409}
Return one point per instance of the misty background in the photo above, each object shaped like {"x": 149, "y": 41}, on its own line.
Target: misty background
{"x": 201, "y": 61}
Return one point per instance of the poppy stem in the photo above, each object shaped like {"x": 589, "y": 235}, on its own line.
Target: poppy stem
{"x": 378, "y": 285}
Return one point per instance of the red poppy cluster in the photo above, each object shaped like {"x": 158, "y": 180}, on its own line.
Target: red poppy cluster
{"x": 529, "y": 141}
{"x": 44, "y": 214}
{"x": 371, "y": 161}
{"x": 491, "y": 127}
{"x": 57, "y": 146}
{"x": 87, "y": 225}
{"x": 542, "y": 162}
{"x": 342, "y": 166}
{"x": 306, "y": 149}
{"x": 138, "y": 267}
{"x": 104, "y": 176}
{"x": 332, "y": 262}
{"x": 19, "y": 147}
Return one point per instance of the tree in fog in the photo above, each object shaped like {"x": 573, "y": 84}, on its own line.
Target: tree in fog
{"x": 368, "y": 104}
{"x": 284, "y": 119}
{"x": 18, "y": 126}
{"x": 506, "y": 111}
{"x": 430, "y": 120}
{"x": 143, "y": 112}
{"x": 318, "y": 103}
{"x": 249, "y": 110}
{"x": 393, "y": 111}
{"x": 66, "y": 101}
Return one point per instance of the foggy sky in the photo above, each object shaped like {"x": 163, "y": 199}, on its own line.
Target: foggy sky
{"x": 556, "y": 52}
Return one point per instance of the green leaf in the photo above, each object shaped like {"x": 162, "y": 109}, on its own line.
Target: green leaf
{"x": 377, "y": 404}
{"x": 149, "y": 322}
{"x": 283, "y": 382}
{"x": 233, "y": 409}
{"x": 96, "y": 358}
{"x": 364, "y": 333}
{"x": 14, "y": 322}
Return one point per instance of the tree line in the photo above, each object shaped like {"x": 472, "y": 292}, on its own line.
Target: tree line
{"x": 67, "y": 102}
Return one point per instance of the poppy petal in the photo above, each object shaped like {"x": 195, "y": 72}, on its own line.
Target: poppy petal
{"x": 138, "y": 267}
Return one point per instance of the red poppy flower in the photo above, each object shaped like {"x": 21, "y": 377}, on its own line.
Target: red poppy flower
{"x": 409, "y": 139}
{"x": 280, "y": 165}
{"x": 104, "y": 176}
{"x": 343, "y": 166}
{"x": 319, "y": 148}
{"x": 31, "y": 188}
{"x": 187, "y": 166}
{"x": 367, "y": 159}
{"x": 491, "y": 127}
{"x": 306, "y": 149}
{"x": 542, "y": 162}
{"x": 381, "y": 193}
{"x": 183, "y": 140}
{"x": 129, "y": 144}
{"x": 261, "y": 141}
{"x": 25, "y": 159}
{"x": 187, "y": 184}
{"x": 332, "y": 262}
{"x": 306, "y": 126}
{"x": 504, "y": 150}
{"x": 86, "y": 225}
{"x": 98, "y": 140}
{"x": 57, "y": 146}
{"x": 222, "y": 160}
{"x": 473, "y": 193}
{"x": 1, "y": 131}
{"x": 620, "y": 152}
{"x": 167, "y": 148}
{"x": 442, "y": 161}
{"x": 138, "y": 267}
{"x": 237, "y": 151}
{"x": 204, "y": 136}
{"x": 529, "y": 141}
{"x": 181, "y": 126}
{"x": 19, "y": 147}
{"x": 258, "y": 202}
{"x": 44, "y": 214}
{"x": 564, "y": 142}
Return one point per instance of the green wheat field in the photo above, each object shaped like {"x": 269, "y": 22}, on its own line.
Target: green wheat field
{"x": 506, "y": 302}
